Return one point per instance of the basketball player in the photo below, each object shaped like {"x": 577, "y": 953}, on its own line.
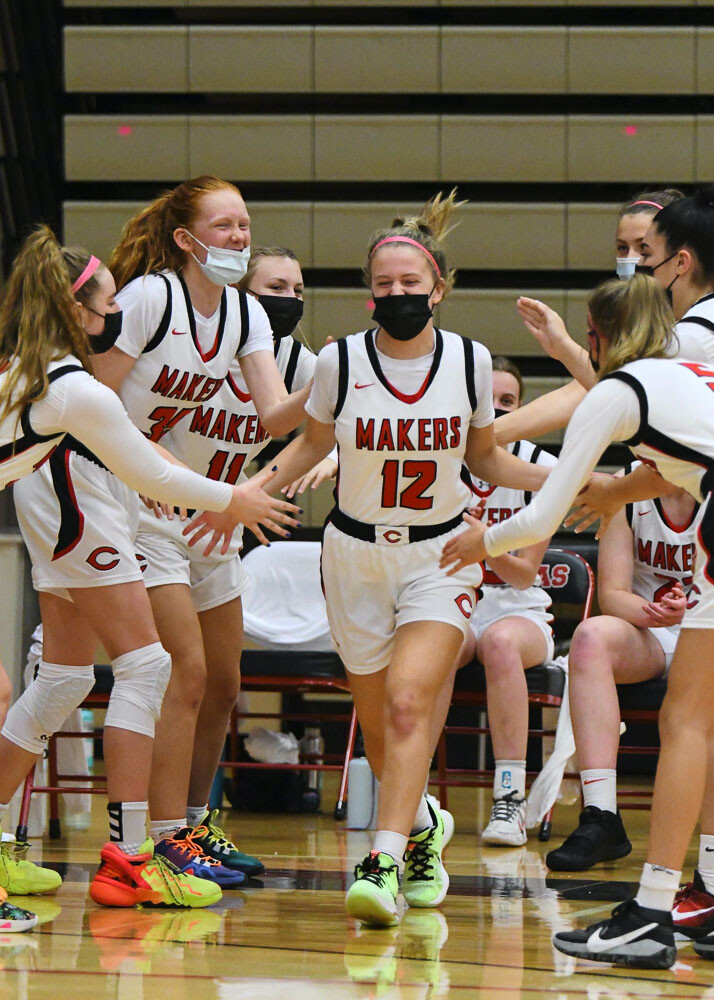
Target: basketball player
{"x": 407, "y": 403}
{"x": 662, "y": 409}
{"x": 77, "y": 539}
{"x": 183, "y": 326}
{"x": 645, "y": 583}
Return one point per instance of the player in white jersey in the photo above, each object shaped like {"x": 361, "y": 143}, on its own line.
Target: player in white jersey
{"x": 646, "y": 565}
{"x": 406, "y": 403}
{"x": 55, "y": 307}
{"x": 184, "y": 323}
{"x": 509, "y": 631}
{"x": 662, "y": 409}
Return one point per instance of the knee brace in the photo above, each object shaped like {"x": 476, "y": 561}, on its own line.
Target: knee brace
{"x": 140, "y": 679}
{"x": 46, "y": 703}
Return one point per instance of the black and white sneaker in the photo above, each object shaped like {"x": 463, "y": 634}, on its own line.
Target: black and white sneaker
{"x": 600, "y": 836}
{"x": 631, "y": 936}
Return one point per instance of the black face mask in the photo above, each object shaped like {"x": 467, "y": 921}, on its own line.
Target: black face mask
{"x": 402, "y": 316}
{"x": 284, "y": 313}
{"x": 499, "y": 412}
{"x": 649, "y": 270}
{"x": 101, "y": 342}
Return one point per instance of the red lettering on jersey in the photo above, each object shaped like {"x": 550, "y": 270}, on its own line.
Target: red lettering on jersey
{"x": 262, "y": 433}
{"x": 364, "y": 434}
{"x": 693, "y": 595}
{"x": 165, "y": 381}
{"x": 250, "y": 428}
{"x": 201, "y": 420}
{"x": 672, "y": 564}
{"x": 425, "y": 433}
{"x": 385, "y": 439}
{"x": 464, "y": 602}
{"x": 178, "y": 389}
{"x": 659, "y": 560}
{"x": 96, "y": 557}
{"x": 232, "y": 433}
{"x": 644, "y": 552}
{"x": 192, "y": 387}
{"x": 164, "y": 418}
{"x": 210, "y": 389}
{"x": 701, "y": 371}
{"x": 441, "y": 426}
{"x": 403, "y": 442}
{"x": 219, "y": 426}
{"x": 494, "y": 515}
{"x": 455, "y": 424}
{"x": 689, "y": 555}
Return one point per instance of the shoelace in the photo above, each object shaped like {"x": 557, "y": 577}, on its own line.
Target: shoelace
{"x": 371, "y": 871}
{"x": 170, "y": 875}
{"x": 216, "y": 835}
{"x": 187, "y": 846}
{"x": 507, "y": 808}
{"x": 420, "y": 861}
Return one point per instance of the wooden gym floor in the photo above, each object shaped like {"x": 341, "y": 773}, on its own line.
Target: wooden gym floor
{"x": 287, "y": 936}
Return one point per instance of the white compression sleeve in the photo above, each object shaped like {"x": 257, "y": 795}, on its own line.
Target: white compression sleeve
{"x": 94, "y": 414}
{"x": 609, "y": 412}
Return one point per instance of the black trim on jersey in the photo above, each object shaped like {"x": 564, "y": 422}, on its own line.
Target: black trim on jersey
{"x": 700, "y": 321}
{"x": 30, "y": 437}
{"x": 163, "y": 326}
{"x": 470, "y": 374}
{"x": 244, "y": 318}
{"x": 374, "y": 361}
{"x": 71, "y": 520}
{"x": 292, "y": 365}
{"x": 343, "y": 374}
{"x": 704, "y": 298}
{"x": 629, "y": 507}
{"x": 221, "y": 322}
{"x": 635, "y": 384}
{"x": 367, "y": 532}
{"x": 528, "y": 494}
{"x": 72, "y": 444}
{"x": 666, "y": 521}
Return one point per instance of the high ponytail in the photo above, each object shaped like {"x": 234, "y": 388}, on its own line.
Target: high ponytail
{"x": 39, "y": 321}
{"x": 429, "y": 229}
{"x": 147, "y": 241}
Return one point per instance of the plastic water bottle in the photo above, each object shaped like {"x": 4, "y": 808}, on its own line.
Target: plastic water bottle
{"x": 362, "y": 795}
{"x": 312, "y": 751}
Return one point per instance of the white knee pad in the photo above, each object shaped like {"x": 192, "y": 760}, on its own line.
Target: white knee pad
{"x": 140, "y": 679}
{"x": 46, "y": 703}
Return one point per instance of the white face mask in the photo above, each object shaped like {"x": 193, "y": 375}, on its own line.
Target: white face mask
{"x": 223, "y": 266}
{"x": 626, "y": 266}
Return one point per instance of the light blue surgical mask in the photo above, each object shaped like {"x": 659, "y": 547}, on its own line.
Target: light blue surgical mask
{"x": 625, "y": 266}
{"x": 223, "y": 266}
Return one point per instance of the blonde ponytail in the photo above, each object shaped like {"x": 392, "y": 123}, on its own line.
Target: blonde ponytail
{"x": 636, "y": 319}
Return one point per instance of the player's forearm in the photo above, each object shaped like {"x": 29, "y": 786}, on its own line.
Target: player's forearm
{"x": 548, "y": 413}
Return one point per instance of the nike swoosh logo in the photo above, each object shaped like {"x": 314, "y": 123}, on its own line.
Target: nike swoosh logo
{"x": 178, "y": 333}
{"x": 678, "y": 914}
{"x": 642, "y": 512}
{"x": 709, "y": 849}
{"x": 599, "y": 944}
{"x": 591, "y": 781}
{"x": 365, "y": 386}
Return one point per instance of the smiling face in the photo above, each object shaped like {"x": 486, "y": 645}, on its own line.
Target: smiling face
{"x": 630, "y": 232}
{"x": 277, "y": 276}
{"x": 400, "y": 269}
{"x": 506, "y": 391}
{"x": 222, "y": 220}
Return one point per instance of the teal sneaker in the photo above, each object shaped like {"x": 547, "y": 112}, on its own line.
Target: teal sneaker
{"x": 211, "y": 839}
{"x": 372, "y": 897}
{"x": 425, "y": 881}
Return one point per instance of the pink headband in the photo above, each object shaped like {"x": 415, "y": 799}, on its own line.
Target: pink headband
{"x": 653, "y": 203}
{"x": 406, "y": 239}
{"x": 87, "y": 273}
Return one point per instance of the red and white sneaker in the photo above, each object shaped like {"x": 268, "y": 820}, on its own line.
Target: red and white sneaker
{"x": 693, "y": 910}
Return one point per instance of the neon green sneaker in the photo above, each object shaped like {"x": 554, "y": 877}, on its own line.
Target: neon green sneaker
{"x": 425, "y": 881}
{"x": 372, "y": 897}
{"x": 212, "y": 841}
{"x": 23, "y": 878}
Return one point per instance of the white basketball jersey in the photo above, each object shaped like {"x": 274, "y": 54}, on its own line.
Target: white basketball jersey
{"x": 401, "y": 456}
{"x": 664, "y": 553}
{"x": 695, "y": 331}
{"x": 676, "y": 443}
{"x": 22, "y": 449}
{"x": 221, "y": 437}
{"x": 173, "y": 375}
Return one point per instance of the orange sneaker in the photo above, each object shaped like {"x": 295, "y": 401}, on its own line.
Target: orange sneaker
{"x": 147, "y": 879}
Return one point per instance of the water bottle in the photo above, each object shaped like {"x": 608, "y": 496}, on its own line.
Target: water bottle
{"x": 312, "y": 751}
{"x": 362, "y": 795}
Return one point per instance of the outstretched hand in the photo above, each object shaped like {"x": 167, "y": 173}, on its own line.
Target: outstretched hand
{"x": 465, "y": 548}
{"x": 594, "y": 502}
{"x": 545, "y": 325}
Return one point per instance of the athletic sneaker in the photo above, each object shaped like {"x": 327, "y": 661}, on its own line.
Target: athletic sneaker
{"x": 507, "y": 824}
{"x": 446, "y": 816}
{"x": 13, "y": 919}
{"x": 633, "y": 936}
{"x": 212, "y": 841}
{"x": 693, "y": 910}
{"x": 23, "y": 878}
{"x": 372, "y": 897}
{"x": 184, "y": 853}
{"x": 425, "y": 881}
{"x": 138, "y": 936}
{"x": 600, "y": 836}
{"x": 147, "y": 879}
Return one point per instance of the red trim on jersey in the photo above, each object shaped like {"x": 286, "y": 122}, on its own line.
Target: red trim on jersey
{"x": 244, "y": 397}
{"x": 482, "y": 493}
{"x": 706, "y": 549}
{"x": 80, "y": 515}
{"x": 492, "y": 578}
{"x": 679, "y": 528}
{"x": 415, "y": 397}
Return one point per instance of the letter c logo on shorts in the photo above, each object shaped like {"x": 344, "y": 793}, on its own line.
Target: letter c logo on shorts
{"x": 97, "y": 561}
{"x": 464, "y": 603}
{"x": 393, "y": 536}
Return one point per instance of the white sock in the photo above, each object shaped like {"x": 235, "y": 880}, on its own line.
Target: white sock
{"x": 510, "y": 776}
{"x": 422, "y": 819}
{"x": 161, "y": 828}
{"x": 127, "y": 825}
{"x": 194, "y": 814}
{"x": 393, "y": 844}
{"x": 599, "y": 786}
{"x": 705, "y": 865}
{"x": 4, "y": 806}
{"x": 658, "y": 886}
